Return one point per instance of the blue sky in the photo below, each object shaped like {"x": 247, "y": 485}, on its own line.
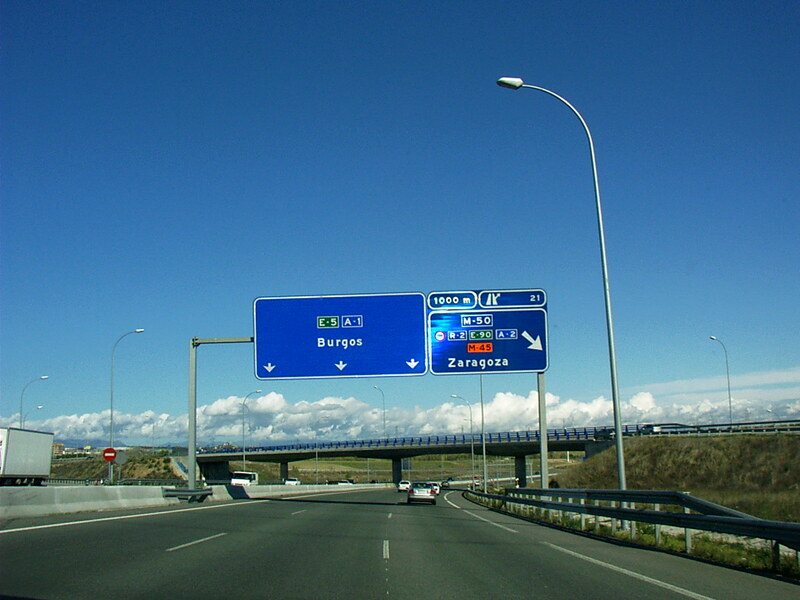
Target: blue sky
{"x": 164, "y": 164}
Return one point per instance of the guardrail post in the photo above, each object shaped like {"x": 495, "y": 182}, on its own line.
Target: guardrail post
{"x": 614, "y": 520}
{"x": 687, "y": 534}
{"x": 597, "y": 518}
{"x": 583, "y": 515}
{"x": 776, "y": 556}
{"x": 633, "y": 523}
{"x": 658, "y": 527}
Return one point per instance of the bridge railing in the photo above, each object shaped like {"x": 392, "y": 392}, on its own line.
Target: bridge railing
{"x": 621, "y": 509}
{"x": 559, "y": 434}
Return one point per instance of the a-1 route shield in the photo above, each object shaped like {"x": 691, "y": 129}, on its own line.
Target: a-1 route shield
{"x": 365, "y": 335}
{"x": 488, "y": 341}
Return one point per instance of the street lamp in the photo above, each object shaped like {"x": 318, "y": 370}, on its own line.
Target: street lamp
{"x": 728, "y": 374}
{"x": 244, "y": 406}
{"x": 111, "y": 413}
{"x": 471, "y": 438}
{"x": 515, "y": 83}
{"x": 383, "y": 403}
{"x": 40, "y": 407}
{"x": 22, "y": 395}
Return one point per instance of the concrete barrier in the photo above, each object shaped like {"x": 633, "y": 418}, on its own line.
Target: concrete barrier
{"x": 39, "y": 501}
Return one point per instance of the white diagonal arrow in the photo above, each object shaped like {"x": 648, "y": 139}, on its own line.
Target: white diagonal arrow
{"x": 536, "y": 343}
{"x": 412, "y": 363}
{"x": 269, "y": 367}
{"x": 340, "y": 365}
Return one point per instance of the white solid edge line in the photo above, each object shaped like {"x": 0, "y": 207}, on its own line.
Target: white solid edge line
{"x": 165, "y": 512}
{"x": 639, "y": 576}
{"x": 123, "y": 517}
{"x": 205, "y": 539}
{"x": 477, "y": 516}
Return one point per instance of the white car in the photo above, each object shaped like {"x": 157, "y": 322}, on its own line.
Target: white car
{"x": 291, "y": 481}
{"x": 403, "y": 486}
{"x": 244, "y": 478}
{"x": 437, "y": 488}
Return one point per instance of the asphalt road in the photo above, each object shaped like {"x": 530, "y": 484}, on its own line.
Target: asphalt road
{"x": 343, "y": 545}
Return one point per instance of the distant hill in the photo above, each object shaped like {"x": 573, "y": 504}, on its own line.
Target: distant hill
{"x": 755, "y": 474}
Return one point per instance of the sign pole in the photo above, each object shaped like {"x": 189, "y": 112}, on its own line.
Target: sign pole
{"x": 192, "y": 423}
{"x": 545, "y": 476}
{"x": 483, "y": 442}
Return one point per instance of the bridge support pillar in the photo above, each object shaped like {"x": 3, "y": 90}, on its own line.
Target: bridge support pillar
{"x": 216, "y": 471}
{"x": 397, "y": 470}
{"x": 284, "y": 471}
{"x": 520, "y": 472}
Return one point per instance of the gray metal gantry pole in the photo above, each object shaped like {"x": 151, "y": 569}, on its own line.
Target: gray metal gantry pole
{"x": 192, "y": 424}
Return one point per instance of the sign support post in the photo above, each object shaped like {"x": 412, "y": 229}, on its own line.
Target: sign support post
{"x": 192, "y": 423}
{"x": 545, "y": 476}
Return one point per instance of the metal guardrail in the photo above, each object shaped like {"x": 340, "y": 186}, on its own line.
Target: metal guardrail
{"x": 190, "y": 495}
{"x": 555, "y": 435}
{"x": 712, "y": 517}
{"x": 73, "y": 481}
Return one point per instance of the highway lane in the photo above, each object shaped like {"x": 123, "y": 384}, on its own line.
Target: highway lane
{"x": 354, "y": 544}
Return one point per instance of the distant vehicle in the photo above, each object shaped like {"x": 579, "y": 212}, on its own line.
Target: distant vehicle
{"x": 403, "y": 485}
{"x": 25, "y": 456}
{"x": 436, "y": 487}
{"x": 244, "y": 478}
{"x": 604, "y": 434}
{"x": 291, "y": 481}
{"x": 649, "y": 429}
{"x": 446, "y": 482}
{"x": 421, "y": 491}
{"x": 346, "y": 482}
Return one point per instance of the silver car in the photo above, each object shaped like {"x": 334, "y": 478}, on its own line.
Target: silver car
{"x": 421, "y": 491}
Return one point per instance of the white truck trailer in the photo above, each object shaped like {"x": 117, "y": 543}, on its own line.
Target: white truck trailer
{"x": 25, "y": 456}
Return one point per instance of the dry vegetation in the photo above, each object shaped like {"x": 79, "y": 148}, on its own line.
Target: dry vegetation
{"x": 139, "y": 465}
{"x": 755, "y": 474}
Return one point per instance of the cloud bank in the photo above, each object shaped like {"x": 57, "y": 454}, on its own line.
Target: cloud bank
{"x": 271, "y": 419}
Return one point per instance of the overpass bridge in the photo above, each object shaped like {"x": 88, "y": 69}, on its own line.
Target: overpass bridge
{"x": 214, "y": 462}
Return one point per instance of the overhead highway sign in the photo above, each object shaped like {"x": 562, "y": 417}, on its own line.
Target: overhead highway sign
{"x": 504, "y": 331}
{"x": 365, "y": 335}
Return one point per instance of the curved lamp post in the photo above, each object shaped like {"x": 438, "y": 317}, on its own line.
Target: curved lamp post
{"x": 471, "y": 438}
{"x": 111, "y": 413}
{"x": 383, "y": 403}
{"x": 515, "y": 83}
{"x": 244, "y": 407}
{"x": 728, "y": 375}
{"x": 22, "y": 395}
{"x": 40, "y": 407}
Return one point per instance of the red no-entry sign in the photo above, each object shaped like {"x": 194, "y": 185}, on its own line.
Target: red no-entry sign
{"x": 109, "y": 454}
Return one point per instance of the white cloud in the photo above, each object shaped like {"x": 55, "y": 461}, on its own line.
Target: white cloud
{"x": 270, "y": 418}
{"x": 685, "y": 387}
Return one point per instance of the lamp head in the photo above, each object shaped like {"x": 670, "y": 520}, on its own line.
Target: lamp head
{"x": 138, "y": 330}
{"x": 712, "y": 337}
{"x": 44, "y": 377}
{"x": 513, "y": 83}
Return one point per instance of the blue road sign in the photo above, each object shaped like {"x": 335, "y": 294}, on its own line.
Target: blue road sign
{"x": 512, "y": 298}
{"x": 340, "y": 336}
{"x": 488, "y": 340}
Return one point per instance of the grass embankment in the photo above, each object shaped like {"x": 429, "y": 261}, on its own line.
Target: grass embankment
{"x": 755, "y": 474}
{"x": 140, "y": 464}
